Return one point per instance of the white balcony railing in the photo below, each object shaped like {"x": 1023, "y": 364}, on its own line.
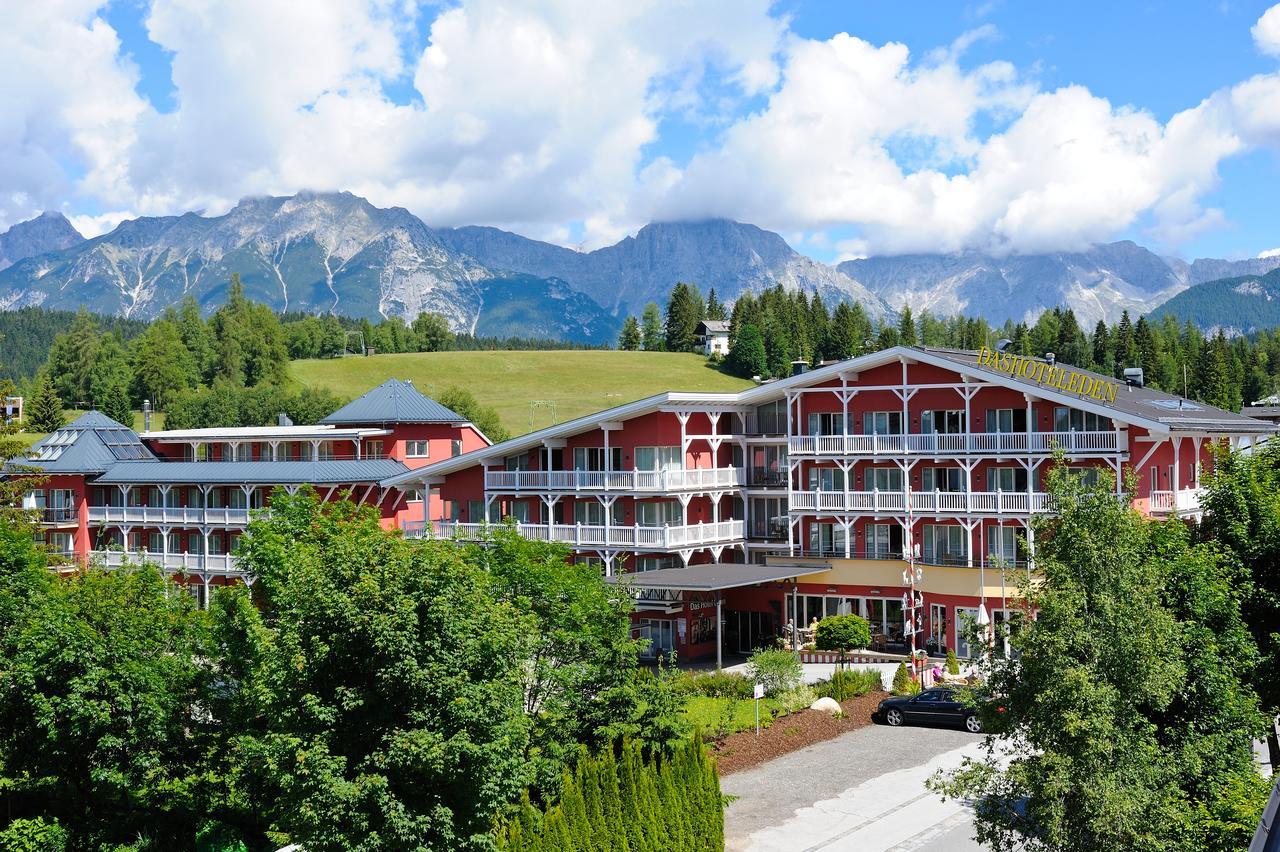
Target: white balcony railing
{"x": 926, "y": 502}
{"x": 594, "y": 535}
{"x": 1185, "y": 500}
{"x": 960, "y": 444}
{"x": 656, "y": 481}
{"x": 186, "y": 515}
{"x": 223, "y": 563}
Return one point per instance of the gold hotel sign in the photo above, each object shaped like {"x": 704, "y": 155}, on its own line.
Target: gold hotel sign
{"x": 1049, "y": 375}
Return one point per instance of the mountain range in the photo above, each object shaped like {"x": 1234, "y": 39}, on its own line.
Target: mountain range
{"x": 320, "y": 252}
{"x": 1239, "y": 305}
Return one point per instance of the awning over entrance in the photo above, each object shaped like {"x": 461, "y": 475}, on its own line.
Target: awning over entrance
{"x": 714, "y": 576}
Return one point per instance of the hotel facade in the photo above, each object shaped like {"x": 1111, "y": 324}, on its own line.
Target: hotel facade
{"x": 728, "y": 516}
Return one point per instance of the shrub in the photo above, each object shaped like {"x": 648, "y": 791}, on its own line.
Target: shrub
{"x": 718, "y": 685}
{"x": 797, "y": 698}
{"x": 778, "y": 669}
{"x": 902, "y": 680}
{"x": 33, "y": 835}
{"x": 842, "y": 633}
{"x": 850, "y": 683}
{"x": 953, "y": 665}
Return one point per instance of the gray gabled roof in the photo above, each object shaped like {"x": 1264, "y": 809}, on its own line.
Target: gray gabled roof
{"x": 91, "y": 443}
{"x": 714, "y": 576}
{"x": 393, "y": 401}
{"x": 337, "y": 472}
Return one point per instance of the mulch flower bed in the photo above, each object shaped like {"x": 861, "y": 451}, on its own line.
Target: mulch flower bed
{"x": 790, "y": 733}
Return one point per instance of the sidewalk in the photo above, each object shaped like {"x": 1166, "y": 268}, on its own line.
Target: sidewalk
{"x": 863, "y": 790}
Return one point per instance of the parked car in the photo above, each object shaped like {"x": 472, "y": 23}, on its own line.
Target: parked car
{"x": 938, "y": 706}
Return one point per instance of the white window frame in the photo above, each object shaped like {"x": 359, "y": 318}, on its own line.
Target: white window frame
{"x": 417, "y": 449}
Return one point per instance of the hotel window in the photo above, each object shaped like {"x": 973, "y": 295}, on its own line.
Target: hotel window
{"x": 826, "y": 479}
{"x": 373, "y": 449}
{"x": 475, "y": 512}
{"x": 1088, "y": 475}
{"x": 658, "y": 513}
{"x": 938, "y": 625}
{"x": 768, "y": 518}
{"x": 304, "y": 451}
{"x": 884, "y": 541}
{"x": 61, "y": 542}
{"x": 1002, "y": 544}
{"x": 1006, "y": 479}
{"x": 173, "y": 498}
{"x": 233, "y": 541}
{"x": 942, "y": 479}
{"x": 657, "y": 458}
{"x": 591, "y": 513}
{"x": 518, "y": 509}
{"x": 217, "y": 499}
{"x": 1074, "y": 420}
{"x": 830, "y": 423}
{"x": 592, "y": 458}
{"x": 215, "y": 545}
{"x": 413, "y": 495}
{"x": 883, "y": 479}
{"x": 771, "y": 418}
{"x": 237, "y": 499}
{"x": 195, "y": 498}
{"x": 944, "y": 544}
{"x": 456, "y": 445}
{"x": 654, "y": 563}
{"x": 417, "y": 449}
{"x": 326, "y": 451}
{"x": 942, "y": 422}
{"x": 1006, "y": 420}
{"x": 882, "y": 422}
{"x": 826, "y": 538}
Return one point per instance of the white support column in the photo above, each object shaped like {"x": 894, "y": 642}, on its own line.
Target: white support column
{"x": 1173, "y": 484}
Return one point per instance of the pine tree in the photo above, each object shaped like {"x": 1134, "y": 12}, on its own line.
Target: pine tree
{"x": 1144, "y": 342}
{"x": 651, "y": 328}
{"x": 684, "y": 312}
{"x": 1070, "y": 346}
{"x": 629, "y": 788}
{"x": 611, "y": 801}
{"x": 115, "y": 404}
{"x": 1126, "y": 353}
{"x": 44, "y": 412}
{"x": 715, "y": 310}
{"x": 906, "y": 327}
{"x": 629, "y": 339}
{"x": 1101, "y": 350}
{"x": 747, "y": 357}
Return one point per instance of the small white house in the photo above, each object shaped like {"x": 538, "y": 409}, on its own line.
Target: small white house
{"x": 713, "y": 337}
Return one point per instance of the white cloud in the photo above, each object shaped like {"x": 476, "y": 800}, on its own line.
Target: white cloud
{"x": 1275, "y": 252}
{"x": 1266, "y": 32}
{"x": 94, "y": 226}
{"x": 543, "y": 116}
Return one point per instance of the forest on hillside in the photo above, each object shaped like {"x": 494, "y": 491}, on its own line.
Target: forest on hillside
{"x": 769, "y": 332}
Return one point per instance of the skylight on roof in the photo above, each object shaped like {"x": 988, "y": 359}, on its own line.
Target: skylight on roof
{"x": 1176, "y": 405}
{"x": 122, "y": 443}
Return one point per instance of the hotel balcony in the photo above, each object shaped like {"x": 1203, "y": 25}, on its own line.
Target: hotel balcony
{"x": 620, "y": 481}
{"x": 195, "y": 563}
{"x": 168, "y": 515}
{"x": 55, "y": 516}
{"x": 962, "y": 444}
{"x": 1186, "y": 501}
{"x": 593, "y": 536}
{"x": 922, "y": 502}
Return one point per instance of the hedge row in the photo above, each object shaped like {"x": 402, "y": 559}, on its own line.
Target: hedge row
{"x": 625, "y": 804}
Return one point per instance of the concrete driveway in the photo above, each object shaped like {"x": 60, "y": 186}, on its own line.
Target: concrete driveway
{"x": 861, "y": 791}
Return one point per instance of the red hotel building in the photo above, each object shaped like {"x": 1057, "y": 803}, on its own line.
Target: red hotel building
{"x": 182, "y": 498}
{"x": 794, "y": 499}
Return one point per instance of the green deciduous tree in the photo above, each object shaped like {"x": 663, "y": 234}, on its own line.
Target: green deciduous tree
{"x": 385, "y": 694}
{"x": 433, "y": 333}
{"x": 162, "y": 364}
{"x": 1125, "y": 714}
{"x": 485, "y": 417}
{"x": 842, "y": 633}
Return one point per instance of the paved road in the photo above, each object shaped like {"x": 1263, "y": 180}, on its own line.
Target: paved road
{"x": 863, "y": 790}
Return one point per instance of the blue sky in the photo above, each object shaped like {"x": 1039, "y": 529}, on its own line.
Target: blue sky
{"x": 1003, "y": 126}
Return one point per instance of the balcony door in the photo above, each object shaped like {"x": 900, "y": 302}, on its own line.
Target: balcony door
{"x": 653, "y": 458}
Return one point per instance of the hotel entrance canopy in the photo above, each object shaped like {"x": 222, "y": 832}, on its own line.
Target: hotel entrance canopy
{"x": 714, "y": 577}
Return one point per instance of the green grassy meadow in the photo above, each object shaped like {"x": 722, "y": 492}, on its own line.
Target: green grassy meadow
{"x": 530, "y": 390}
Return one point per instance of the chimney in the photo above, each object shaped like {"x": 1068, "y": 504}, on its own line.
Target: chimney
{"x": 146, "y": 415}
{"x": 799, "y": 367}
{"x": 1051, "y": 357}
{"x": 282, "y": 419}
{"x": 1133, "y": 376}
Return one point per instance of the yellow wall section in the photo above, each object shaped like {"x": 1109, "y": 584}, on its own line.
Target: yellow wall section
{"x": 938, "y": 579}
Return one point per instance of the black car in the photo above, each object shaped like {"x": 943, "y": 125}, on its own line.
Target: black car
{"x": 938, "y": 705}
